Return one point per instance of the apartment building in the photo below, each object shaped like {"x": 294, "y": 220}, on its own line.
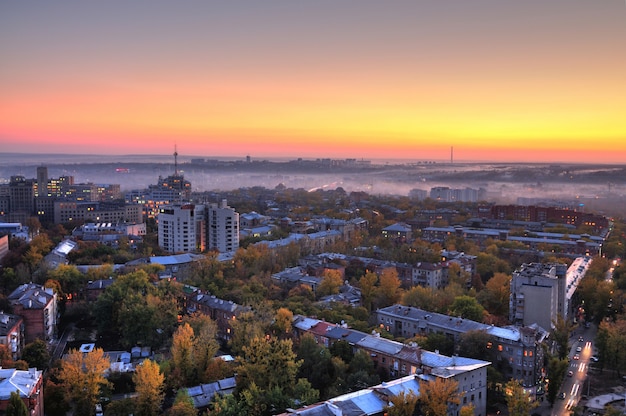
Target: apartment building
{"x": 37, "y": 306}
{"x": 402, "y": 360}
{"x": 222, "y": 227}
{"x": 517, "y": 351}
{"x": 542, "y": 292}
{"x": 181, "y": 228}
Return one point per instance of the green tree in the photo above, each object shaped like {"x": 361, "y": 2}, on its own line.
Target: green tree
{"x": 467, "y": 307}
{"x": 268, "y": 363}
{"x": 561, "y": 333}
{"x": 36, "y": 354}
{"x": 556, "y": 372}
{"x": 517, "y": 400}
{"x": 148, "y": 381}
{"x": 16, "y": 406}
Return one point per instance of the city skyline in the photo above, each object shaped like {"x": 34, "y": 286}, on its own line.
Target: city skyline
{"x": 514, "y": 82}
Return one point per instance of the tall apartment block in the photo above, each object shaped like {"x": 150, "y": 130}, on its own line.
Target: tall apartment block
{"x": 542, "y": 292}
{"x": 222, "y": 228}
{"x": 181, "y": 228}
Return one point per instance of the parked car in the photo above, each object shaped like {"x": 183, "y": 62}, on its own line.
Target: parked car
{"x": 594, "y": 358}
{"x": 570, "y": 373}
{"x": 562, "y": 396}
{"x": 579, "y": 349}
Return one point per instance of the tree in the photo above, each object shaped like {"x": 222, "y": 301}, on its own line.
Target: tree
{"x": 437, "y": 395}
{"x": 36, "y": 354}
{"x": 204, "y": 344}
{"x": 367, "y": 284}
{"x": 389, "y": 291}
{"x": 467, "y": 410}
{"x": 495, "y": 295}
{"x": 183, "y": 405}
{"x": 82, "y": 375}
{"x": 268, "y": 363}
{"x": 467, "y": 307}
{"x": 475, "y": 344}
{"x": 556, "y": 372}
{"x": 182, "y": 355}
{"x": 330, "y": 284}
{"x": 402, "y": 404}
{"x": 148, "y": 381}
{"x": 282, "y": 322}
{"x": 16, "y": 406}
{"x": 517, "y": 400}
{"x": 561, "y": 333}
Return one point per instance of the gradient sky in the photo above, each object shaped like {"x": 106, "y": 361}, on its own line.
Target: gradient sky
{"x": 530, "y": 80}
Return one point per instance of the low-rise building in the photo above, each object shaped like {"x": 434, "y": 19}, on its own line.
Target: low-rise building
{"x": 29, "y": 385}
{"x": 12, "y": 333}
{"x": 37, "y": 305}
{"x": 405, "y": 360}
{"x": 517, "y": 351}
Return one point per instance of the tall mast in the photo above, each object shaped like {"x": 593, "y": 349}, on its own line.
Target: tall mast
{"x": 175, "y": 161}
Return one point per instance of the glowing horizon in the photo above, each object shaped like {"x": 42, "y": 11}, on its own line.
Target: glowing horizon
{"x": 404, "y": 82}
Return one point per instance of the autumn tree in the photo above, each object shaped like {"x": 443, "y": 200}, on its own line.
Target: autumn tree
{"x": 204, "y": 344}
{"x": 367, "y": 284}
{"x": 495, "y": 295}
{"x": 517, "y": 400}
{"x": 183, "y": 405}
{"x": 437, "y": 395}
{"x": 402, "y": 404}
{"x": 389, "y": 291}
{"x": 182, "y": 356}
{"x": 467, "y": 410}
{"x": 82, "y": 375}
{"x": 282, "y": 323}
{"x": 330, "y": 284}
{"x": 148, "y": 381}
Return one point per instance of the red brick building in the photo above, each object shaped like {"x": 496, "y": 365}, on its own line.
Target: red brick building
{"x": 37, "y": 305}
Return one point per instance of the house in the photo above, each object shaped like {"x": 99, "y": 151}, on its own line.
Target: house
{"x": 37, "y": 305}
{"x": 97, "y": 287}
{"x": 29, "y": 385}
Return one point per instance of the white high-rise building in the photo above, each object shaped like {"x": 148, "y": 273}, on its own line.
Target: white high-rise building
{"x": 181, "y": 228}
{"x": 222, "y": 228}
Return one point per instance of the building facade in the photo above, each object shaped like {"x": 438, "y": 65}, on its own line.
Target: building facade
{"x": 37, "y": 305}
{"x": 517, "y": 351}
{"x": 222, "y": 224}
{"x": 181, "y": 228}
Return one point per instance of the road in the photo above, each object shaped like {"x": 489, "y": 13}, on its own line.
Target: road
{"x": 574, "y": 385}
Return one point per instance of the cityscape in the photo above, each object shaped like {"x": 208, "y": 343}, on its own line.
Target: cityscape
{"x": 316, "y": 209}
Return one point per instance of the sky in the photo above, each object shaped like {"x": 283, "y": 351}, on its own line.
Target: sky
{"x": 499, "y": 81}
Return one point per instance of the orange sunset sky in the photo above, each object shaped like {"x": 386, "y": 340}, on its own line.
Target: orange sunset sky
{"x": 497, "y": 80}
